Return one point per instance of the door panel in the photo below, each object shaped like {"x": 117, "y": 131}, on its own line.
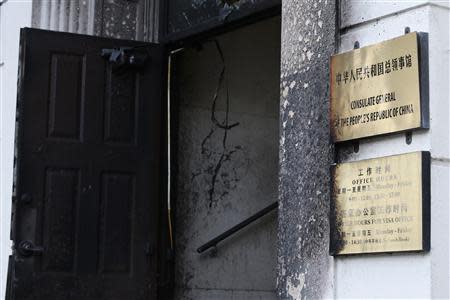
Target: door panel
{"x": 88, "y": 170}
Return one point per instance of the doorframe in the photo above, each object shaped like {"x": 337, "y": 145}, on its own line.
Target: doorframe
{"x": 212, "y": 27}
{"x": 174, "y": 44}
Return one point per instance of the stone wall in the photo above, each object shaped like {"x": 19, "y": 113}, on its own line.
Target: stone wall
{"x": 307, "y": 41}
{"x": 122, "y": 19}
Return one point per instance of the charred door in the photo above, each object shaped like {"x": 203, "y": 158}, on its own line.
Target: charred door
{"x": 88, "y": 168}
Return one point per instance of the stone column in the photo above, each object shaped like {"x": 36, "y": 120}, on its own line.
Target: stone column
{"x": 306, "y": 152}
{"x": 132, "y": 20}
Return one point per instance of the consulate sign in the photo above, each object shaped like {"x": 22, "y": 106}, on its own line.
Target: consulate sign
{"x": 380, "y": 89}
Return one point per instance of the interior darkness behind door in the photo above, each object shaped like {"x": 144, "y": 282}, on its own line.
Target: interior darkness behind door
{"x": 88, "y": 172}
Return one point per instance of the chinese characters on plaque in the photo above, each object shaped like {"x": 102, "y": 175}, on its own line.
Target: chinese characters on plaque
{"x": 380, "y": 89}
{"x": 381, "y": 205}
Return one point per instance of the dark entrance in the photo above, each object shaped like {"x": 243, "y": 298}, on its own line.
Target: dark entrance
{"x": 225, "y": 104}
{"x": 88, "y": 184}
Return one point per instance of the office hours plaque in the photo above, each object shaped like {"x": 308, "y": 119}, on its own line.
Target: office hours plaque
{"x": 381, "y": 205}
{"x": 380, "y": 89}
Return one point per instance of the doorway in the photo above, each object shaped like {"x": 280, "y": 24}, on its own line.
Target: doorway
{"x": 225, "y": 127}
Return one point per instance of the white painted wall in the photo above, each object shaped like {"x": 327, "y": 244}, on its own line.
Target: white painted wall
{"x": 14, "y": 14}
{"x": 405, "y": 275}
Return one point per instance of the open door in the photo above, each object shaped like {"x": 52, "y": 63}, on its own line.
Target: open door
{"x": 88, "y": 173}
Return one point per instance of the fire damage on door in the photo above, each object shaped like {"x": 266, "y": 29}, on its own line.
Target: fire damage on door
{"x": 120, "y": 196}
{"x": 88, "y": 174}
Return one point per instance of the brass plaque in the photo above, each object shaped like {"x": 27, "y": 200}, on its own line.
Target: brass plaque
{"x": 380, "y": 89}
{"x": 381, "y": 205}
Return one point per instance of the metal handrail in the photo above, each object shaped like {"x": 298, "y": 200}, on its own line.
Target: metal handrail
{"x": 213, "y": 242}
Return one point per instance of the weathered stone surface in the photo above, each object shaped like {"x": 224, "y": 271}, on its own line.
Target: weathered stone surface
{"x": 308, "y": 39}
{"x": 64, "y": 15}
{"x": 132, "y": 20}
{"x": 121, "y": 19}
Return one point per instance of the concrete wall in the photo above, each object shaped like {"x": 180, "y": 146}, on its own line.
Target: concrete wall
{"x": 404, "y": 275}
{"x": 14, "y": 14}
{"x": 307, "y": 41}
{"x": 222, "y": 179}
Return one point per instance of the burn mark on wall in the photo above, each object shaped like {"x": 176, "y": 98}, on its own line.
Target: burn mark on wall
{"x": 243, "y": 169}
{"x": 228, "y": 7}
{"x": 230, "y": 2}
{"x": 218, "y": 158}
{"x": 308, "y": 39}
{"x": 186, "y": 14}
{"x": 336, "y": 222}
{"x": 120, "y": 19}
